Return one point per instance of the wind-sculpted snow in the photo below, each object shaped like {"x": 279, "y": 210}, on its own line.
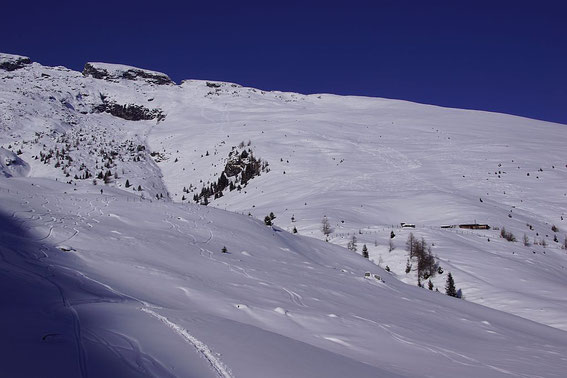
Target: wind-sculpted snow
{"x": 152, "y": 294}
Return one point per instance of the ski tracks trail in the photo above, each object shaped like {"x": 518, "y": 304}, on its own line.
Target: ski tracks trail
{"x": 221, "y": 370}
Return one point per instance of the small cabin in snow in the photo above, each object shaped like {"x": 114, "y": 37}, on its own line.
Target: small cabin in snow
{"x": 475, "y": 226}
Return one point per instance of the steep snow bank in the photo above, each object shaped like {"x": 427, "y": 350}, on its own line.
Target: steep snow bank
{"x": 145, "y": 290}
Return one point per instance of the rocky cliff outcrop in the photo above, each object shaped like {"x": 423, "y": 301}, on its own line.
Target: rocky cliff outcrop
{"x": 11, "y": 62}
{"x": 114, "y": 72}
{"x": 130, "y": 112}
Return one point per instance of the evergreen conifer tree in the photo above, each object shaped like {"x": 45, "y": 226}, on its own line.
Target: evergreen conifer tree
{"x": 364, "y": 251}
{"x": 450, "y": 288}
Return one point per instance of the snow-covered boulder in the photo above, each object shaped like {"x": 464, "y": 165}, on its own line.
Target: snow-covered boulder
{"x": 11, "y": 165}
{"x": 108, "y": 71}
{"x": 11, "y": 62}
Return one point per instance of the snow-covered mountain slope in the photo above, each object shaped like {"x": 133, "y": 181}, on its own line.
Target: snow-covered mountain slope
{"x": 98, "y": 147}
{"x": 111, "y": 285}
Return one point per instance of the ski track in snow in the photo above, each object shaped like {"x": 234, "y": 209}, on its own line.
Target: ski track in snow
{"x": 219, "y": 367}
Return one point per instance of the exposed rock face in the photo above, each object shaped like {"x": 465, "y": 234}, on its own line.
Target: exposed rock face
{"x": 11, "y": 62}
{"x": 116, "y": 72}
{"x": 130, "y": 112}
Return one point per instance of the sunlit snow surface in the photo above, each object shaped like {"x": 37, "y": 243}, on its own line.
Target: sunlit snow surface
{"x": 110, "y": 284}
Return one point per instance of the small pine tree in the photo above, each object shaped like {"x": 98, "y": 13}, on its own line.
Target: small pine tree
{"x": 294, "y": 230}
{"x": 408, "y": 267}
{"x": 430, "y": 285}
{"x": 268, "y": 220}
{"x": 392, "y": 235}
{"x": 364, "y": 251}
{"x": 127, "y": 183}
{"x": 450, "y": 288}
{"x": 387, "y": 268}
{"x": 272, "y": 216}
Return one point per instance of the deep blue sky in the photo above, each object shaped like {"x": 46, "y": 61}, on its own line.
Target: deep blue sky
{"x": 499, "y": 55}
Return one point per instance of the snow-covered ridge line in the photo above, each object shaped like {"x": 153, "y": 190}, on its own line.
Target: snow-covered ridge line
{"x": 219, "y": 367}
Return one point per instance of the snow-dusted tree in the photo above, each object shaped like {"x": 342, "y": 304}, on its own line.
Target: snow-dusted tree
{"x": 294, "y": 230}
{"x": 267, "y": 220}
{"x": 352, "y": 244}
{"x": 526, "y": 240}
{"x": 364, "y": 251}
{"x": 326, "y": 226}
{"x": 430, "y": 285}
{"x": 408, "y": 266}
{"x": 410, "y": 244}
{"x": 450, "y": 288}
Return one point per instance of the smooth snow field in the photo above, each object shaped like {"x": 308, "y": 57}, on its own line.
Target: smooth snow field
{"x": 124, "y": 275}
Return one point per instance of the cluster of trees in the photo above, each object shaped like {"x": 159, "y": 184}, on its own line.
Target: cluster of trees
{"x": 352, "y": 244}
{"x": 421, "y": 251}
{"x": 102, "y": 154}
{"x": 240, "y": 168}
{"x": 507, "y": 235}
